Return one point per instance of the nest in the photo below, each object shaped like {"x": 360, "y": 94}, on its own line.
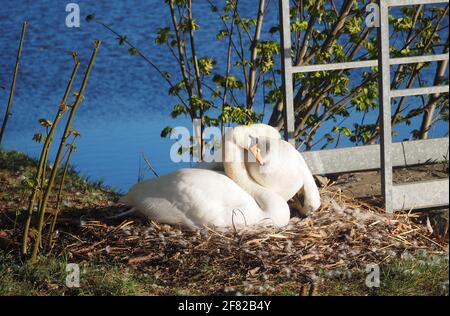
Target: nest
{"x": 343, "y": 234}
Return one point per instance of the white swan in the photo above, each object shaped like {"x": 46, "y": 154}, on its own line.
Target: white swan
{"x": 197, "y": 197}
{"x": 283, "y": 171}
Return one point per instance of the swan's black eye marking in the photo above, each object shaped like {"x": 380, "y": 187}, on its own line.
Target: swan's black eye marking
{"x": 254, "y": 140}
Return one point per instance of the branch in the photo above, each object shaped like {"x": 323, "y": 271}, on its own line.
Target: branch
{"x": 254, "y": 53}
{"x": 181, "y": 57}
{"x": 140, "y": 54}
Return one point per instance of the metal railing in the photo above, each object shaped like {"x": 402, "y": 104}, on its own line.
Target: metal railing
{"x": 386, "y": 155}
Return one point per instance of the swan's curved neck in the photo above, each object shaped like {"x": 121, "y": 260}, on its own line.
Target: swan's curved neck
{"x": 235, "y": 168}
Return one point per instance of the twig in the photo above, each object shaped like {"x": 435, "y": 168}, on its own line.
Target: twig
{"x": 59, "y": 153}
{"x": 149, "y": 164}
{"x": 13, "y": 83}
{"x": 42, "y": 165}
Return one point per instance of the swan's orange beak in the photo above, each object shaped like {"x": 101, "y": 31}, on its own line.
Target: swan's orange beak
{"x": 257, "y": 153}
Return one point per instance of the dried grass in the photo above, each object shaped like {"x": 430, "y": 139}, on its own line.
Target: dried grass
{"x": 343, "y": 234}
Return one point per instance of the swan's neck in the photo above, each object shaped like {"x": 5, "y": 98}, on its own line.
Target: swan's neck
{"x": 270, "y": 202}
{"x": 234, "y": 167}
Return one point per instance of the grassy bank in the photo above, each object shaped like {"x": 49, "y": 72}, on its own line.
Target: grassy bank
{"x": 411, "y": 276}
{"x": 134, "y": 257}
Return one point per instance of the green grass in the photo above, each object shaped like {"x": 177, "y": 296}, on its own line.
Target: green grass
{"x": 16, "y": 161}
{"x": 412, "y": 276}
{"x": 48, "y": 277}
{"x": 97, "y": 278}
{"x": 419, "y": 275}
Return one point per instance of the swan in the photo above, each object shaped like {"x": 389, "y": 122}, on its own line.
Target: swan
{"x": 283, "y": 170}
{"x": 199, "y": 197}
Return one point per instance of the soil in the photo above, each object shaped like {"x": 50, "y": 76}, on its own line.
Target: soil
{"x": 368, "y": 184}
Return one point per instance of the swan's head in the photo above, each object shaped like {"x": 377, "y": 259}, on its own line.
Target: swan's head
{"x": 246, "y": 139}
{"x": 264, "y": 130}
{"x": 256, "y": 139}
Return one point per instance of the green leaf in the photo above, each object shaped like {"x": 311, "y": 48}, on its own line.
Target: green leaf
{"x": 274, "y": 29}
{"x": 177, "y": 110}
{"x": 90, "y": 17}
{"x": 122, "y": 39}
{"x": 38, "y": 137}
{"x": 353, "y": 25}
{"x": 299, "y": 25}
{"x": 266, "y": 51}
{"x": 163, "y": 35}
{"x": 230, "y": 81}
{"x": 347, "y": 131}
{"x": 404, "y": 23}
{"x": 206, "y": 65}
{"x": 28, "y": 183}
{"x": 44, "y": 122}
{"x": 268, "y": 83}
{"x": 133, "y": 51}
{"x": 166, "y": 131}
{"x": 221, "y": 34}
{"x": 187, "y": 25}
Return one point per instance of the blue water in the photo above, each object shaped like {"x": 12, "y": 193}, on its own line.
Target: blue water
{"x": 126, "y": 102}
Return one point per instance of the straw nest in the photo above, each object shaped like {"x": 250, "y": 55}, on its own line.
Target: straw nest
{"x": 343, "y": 234}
